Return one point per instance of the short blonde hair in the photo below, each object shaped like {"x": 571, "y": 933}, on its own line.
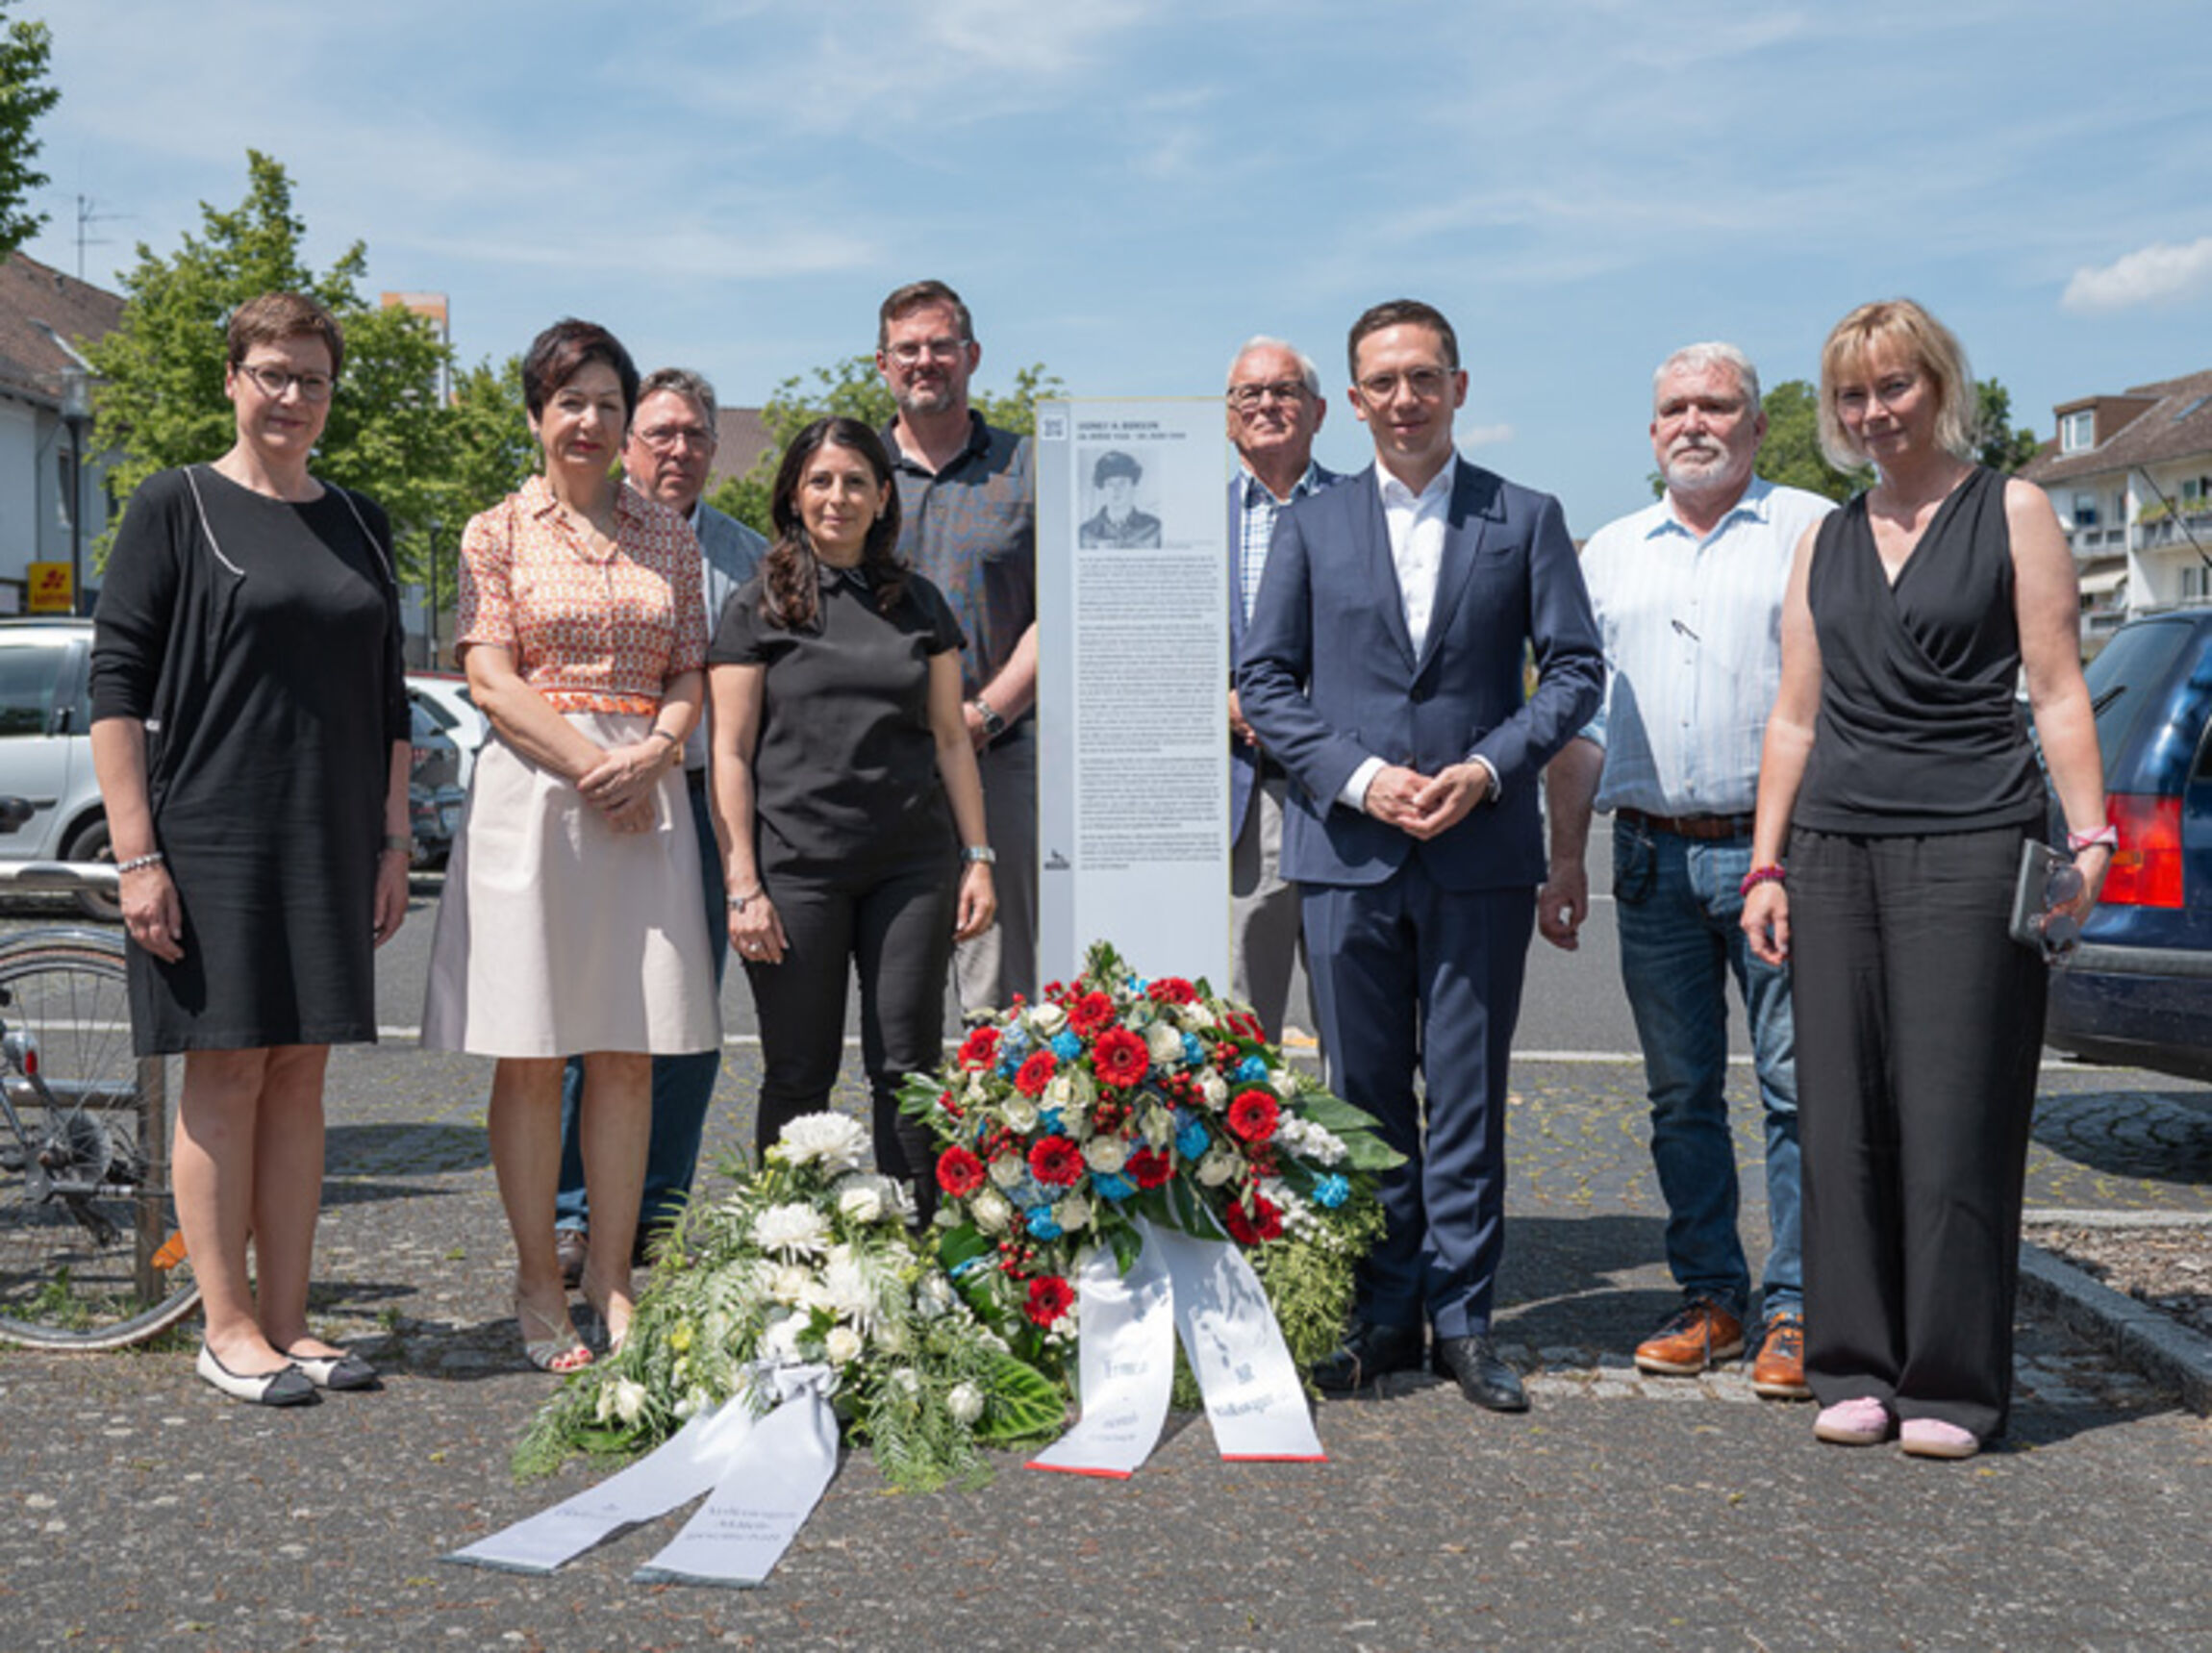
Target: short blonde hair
{"x": 1933, "y": 348}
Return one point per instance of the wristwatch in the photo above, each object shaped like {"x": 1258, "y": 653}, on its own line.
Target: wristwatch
{"x": 994, "y": 725}
{"x": 979, "y": 854}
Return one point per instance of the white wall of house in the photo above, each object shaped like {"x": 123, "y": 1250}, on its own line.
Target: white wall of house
{"x": 33, "y": 503}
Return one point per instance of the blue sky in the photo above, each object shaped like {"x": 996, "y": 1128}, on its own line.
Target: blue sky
{"x": 1125, "y": 189}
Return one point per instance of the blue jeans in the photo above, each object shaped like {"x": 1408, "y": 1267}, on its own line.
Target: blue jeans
{"x": 683, "y": 1086}
{"x": 1678, "y": 904}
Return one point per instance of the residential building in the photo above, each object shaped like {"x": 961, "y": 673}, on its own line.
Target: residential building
{"x": 2130, "y": 476}
{"x": 49, "y": 504}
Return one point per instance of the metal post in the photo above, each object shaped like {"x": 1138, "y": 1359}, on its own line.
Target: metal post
{"x": 76, "y": 408}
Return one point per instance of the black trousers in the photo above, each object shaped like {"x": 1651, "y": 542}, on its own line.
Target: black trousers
{"x": 1920, "y": 1026}
{"x": 894, "y": 930}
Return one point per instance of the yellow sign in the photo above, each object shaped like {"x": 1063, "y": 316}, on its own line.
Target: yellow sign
{"x": 47, "y": 589}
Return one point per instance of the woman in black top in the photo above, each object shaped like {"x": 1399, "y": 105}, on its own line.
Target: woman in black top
{"x": 845, "y": 791}
{"x": 1899, "y": 770}
{"x": 250, "y": 732}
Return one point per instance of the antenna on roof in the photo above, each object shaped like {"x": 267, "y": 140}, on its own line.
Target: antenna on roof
{"x": 86, "y": 216}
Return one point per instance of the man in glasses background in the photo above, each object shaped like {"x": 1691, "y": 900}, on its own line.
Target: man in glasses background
{"x": 969, "y": 522}
{"x": 668, "y": 457}
{"x": 1383, "y": 668}
{"x": 1689, "y": 594}
{"x": 1275, "y": 410}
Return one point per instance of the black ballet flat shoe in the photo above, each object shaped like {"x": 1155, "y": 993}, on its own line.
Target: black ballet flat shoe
{"x": 287, "y": 1386}
{"x": 342, "y": 1370}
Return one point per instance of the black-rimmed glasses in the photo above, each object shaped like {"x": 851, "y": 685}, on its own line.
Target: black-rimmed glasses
{"x": 274, "y": 381}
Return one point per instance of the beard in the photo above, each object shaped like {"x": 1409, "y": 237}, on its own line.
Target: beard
{"x": 1699, "y": 469}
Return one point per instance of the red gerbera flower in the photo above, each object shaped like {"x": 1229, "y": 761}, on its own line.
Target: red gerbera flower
{"x": 1151, "y": 1168}
{"x": 1250, "y": 1227}
{"x": 980, "y": 1049}
{"x": 1049, "y": 1298}
{"x": 1056, "y": 1162}
{"x": 1239, "y": 1225}
{"x": 1252, "y": 1116}
{"x": 1266, "y": 1218}
{"x": 1035, "y": 1073}
{"x": 1092, "y": 1012}
{"x": 1119, "y": 1058}
{"x": 1171, "y": 990}
{"x": 959, "y": 1172}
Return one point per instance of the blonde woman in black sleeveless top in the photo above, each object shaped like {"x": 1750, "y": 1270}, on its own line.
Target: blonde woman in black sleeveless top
{"x": 1897, "y": 786}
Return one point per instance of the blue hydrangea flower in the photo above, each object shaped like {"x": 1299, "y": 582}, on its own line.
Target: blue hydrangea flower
{"x": 1065, "y": 1046}
{"x": 1042, "y": 1224}
{"x": 962, "y": 1271}
{"x": 1331, "y": 1191}
{"x": 1112, "y": 1185}
{"x": 1253, "y": 1070}
{"x": 1049, "y": 1118}
{"x": 1191, "y": 1139}
{"x": 1193, "y": 1053}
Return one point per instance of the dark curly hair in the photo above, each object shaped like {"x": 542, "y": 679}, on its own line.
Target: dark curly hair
{"x": 790, "y": 575}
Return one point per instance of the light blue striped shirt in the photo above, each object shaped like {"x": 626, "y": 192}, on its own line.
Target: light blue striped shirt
{"x": 1693, "y": 634}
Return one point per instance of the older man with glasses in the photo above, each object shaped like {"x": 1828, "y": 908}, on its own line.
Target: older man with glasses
{"x": 1689, "y": 595}
{"x": 1275, "y": 410}
{"x": 669, "y": 457}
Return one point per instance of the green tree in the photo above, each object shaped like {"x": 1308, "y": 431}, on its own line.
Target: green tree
{"x": 159, "y": 401}
{"x": 487, "y": 454}
{"x": 854, "y": 390}
{"x": 1790, "y": 454}
{"x": 24, "y": 97}
{"x": 2001, "y": 445}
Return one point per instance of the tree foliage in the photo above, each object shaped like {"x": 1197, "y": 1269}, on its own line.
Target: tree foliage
{"x": 161, "y": 403}
{"x": 24, "y": 97}
{"x": 2000, "y": 444}
{"x": 1790, "y": 454}
{"x": 853, "y": 388}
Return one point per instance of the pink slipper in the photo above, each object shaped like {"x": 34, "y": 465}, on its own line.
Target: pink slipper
{"x": 1933, "y": 1437}
{"x": 1860, "y": 1421}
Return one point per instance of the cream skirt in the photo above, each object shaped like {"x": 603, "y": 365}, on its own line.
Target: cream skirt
{"x": 558, "y": 935}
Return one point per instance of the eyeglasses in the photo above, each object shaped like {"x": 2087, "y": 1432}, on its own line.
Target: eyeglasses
{"x": 1425, "y": 383}
{"x": 909, "y": 351}
{"x": 2060, "y": 931}
{"x": 1245, "y": 397}
{"x": 667, "y": 439}
{"x": 274, "y": 381}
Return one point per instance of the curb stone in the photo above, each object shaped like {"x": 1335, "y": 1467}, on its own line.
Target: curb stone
{"x": 2159, "y": 1347}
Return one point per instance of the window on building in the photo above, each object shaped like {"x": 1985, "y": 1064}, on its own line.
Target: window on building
{"x": 2195, "y": 583}
{"x": 2077, "y": 431}
{"x": 2085, "y": 511}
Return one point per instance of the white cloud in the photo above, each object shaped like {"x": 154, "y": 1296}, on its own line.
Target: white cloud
{"x": 1482, "y": 435}
{"x": 2149, "y": 275}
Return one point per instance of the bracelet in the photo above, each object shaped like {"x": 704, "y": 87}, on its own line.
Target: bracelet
{"x": 2106, "y": 835}
{"x": 1770, "y": 873}
{"x": 979, "y": 854}
{"x": 140, "y": 863}
{"x": 671, "y": 739}
{"x": 399, "y": 843}
{"x": 737, "y": 903}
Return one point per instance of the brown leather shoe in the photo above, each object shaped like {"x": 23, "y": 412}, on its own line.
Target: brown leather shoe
{"x": 1779, "y": 1371}
{"x": 1699, "y": 1334}
{"x": 572, "y": 1248}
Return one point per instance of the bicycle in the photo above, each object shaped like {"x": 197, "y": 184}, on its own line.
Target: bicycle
{"x": 91, "y": 1254}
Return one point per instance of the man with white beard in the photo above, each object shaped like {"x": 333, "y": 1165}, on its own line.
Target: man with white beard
{"x": 1689, "y": 595}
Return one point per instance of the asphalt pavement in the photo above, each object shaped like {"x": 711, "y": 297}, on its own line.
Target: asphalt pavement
{"x": 140, "y": 1508}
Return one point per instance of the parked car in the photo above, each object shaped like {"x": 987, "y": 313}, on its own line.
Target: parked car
{"x": 2138, "y": 989}
{"x": 46, "y": 749}
{"x": 435, "y": 797}
{"x": 444, "y": 696}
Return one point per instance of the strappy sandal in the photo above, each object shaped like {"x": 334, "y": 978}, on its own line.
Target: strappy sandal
{"x": 560, "y": 1351}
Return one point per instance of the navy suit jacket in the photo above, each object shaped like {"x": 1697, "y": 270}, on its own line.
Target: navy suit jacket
{"x": 1328, "y": 675}
{"x": 1244, "y": 761}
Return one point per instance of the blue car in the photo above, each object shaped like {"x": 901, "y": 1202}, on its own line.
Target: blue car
{"x": 2138, "y": 991}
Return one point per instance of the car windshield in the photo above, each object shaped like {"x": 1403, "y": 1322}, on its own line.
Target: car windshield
{"x": 2119, "y": 679}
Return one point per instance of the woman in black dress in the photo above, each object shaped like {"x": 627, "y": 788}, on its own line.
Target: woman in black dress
{"x": 250, "y": 732}
{"x": 1897, "y": 768}
{"x": 845, "y": 791}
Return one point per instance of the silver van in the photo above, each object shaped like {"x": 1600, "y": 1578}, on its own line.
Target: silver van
{"x": 46, "y": 748}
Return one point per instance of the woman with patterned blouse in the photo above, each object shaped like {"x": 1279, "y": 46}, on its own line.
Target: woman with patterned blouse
{"x": 572, "y": 919}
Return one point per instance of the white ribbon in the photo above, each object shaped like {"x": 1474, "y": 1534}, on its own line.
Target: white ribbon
{"x": 678, "y": 1472}
{"x": 1204, "y": 1292}
{"x": 764, "y": 1495}
{"x": 1236, "y": 1350}
{"x": 1127, "y": 1368}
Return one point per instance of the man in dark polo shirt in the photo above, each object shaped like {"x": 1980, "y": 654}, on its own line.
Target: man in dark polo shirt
{"x": 970, "y": 524}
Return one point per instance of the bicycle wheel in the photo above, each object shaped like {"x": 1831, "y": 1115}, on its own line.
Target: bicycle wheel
{"x": 91, "y": 1256}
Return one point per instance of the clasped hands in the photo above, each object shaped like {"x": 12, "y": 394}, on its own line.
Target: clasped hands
{"x": 1422, "y": 806}
{"x": 620, "y": 784}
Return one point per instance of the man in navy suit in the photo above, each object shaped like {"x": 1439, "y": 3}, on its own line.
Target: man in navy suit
{"x": 1275, "y": 408}
{"x": 1384, "y": 669}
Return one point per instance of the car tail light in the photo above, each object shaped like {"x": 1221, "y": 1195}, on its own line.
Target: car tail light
{"x": 2147, "y": 868}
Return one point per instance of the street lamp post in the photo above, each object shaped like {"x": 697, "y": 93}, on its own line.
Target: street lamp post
{"x": 76, "y": 410}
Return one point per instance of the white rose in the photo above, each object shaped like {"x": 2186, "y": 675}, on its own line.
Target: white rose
{"x": 1018, "y": 1112}
{"x": 1158, "y": 1128}
{"x": 1059, "y": 1091}
{"x": 1163, "y": 1044}
{"x": 1007, "y": 1170}
{"x": 1196, "y": 1016}
{"x": 991, "y": 1212}
{"x": 1212, "y": 1088}
{"x": 1047, "y": 1020}
{"x": 1287, "y": 1083}
{"x": 843, "y": 1345}
{"x": 1105, "y": 1155}
{"x": 965, "y": 1402}
{"x": 1084, "y": 1088}
{"x": 1217, "y": 1168}
{"x": 1072, "y": 1214}
{"x": 860, "y": 1202}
